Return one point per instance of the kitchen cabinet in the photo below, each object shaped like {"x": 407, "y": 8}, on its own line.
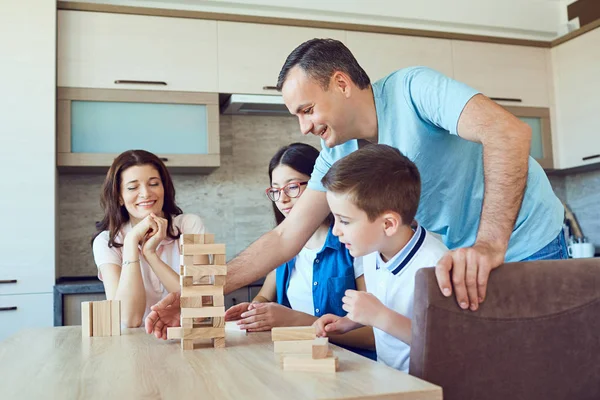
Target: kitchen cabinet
{"x": 22, "y": 311}
{"x": 538, "y": 119}
{"x": 251, "y": 55}
{"x": 511, "y": 75}
{"x": 95, "y": 125}
{"x": 381, "y": 54}
{"x": 106, "y": 50}
{"x": 576, "y": 66}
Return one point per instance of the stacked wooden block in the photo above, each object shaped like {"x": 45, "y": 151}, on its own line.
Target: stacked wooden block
{"x": 299, "y": 349}
{"x": 203, "y": 272}
{"x": 101, "y": 318}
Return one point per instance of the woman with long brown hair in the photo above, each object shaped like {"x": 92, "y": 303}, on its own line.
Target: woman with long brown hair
{"x": 136, "y": 244}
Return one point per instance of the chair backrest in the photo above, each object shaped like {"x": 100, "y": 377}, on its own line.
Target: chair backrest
{"x": 536, "y": 335}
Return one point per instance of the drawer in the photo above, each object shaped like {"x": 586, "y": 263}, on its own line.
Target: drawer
{"x": 31, "y": 311}
{"x": 25, "y": 279}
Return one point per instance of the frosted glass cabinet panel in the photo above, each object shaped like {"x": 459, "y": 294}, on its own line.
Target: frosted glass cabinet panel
{"x": 538, "y": 118}
{"x": 95, "y": 125}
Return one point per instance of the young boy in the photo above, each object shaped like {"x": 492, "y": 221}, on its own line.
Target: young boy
{"x": 374, "y": 194}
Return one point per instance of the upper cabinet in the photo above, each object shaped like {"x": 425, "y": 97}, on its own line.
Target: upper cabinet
{"x": 251, "y": 55}
{"x": 511, "y": 75}
{"x": 120, "y": 51}
{"x": 576, "y": 66}
{"x": 381, "y": 54}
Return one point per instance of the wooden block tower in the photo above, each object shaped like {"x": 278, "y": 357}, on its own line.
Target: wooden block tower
{"x": 299, "y": 349}
{"x": 203, "y": 271}
{"x": 101, "y": 318}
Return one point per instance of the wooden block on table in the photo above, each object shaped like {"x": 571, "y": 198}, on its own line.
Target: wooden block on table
{"x": 86, "y": 319}
{"x": 218, "y": 322}
{"x": 320, "y": 348}
{"x": 195, "y": 249}
{"x": 219, "y": 343}
{"x": 203, "y": 312}
{"x": 203, "y": 270}
{"x": 293, "y": 346}
{"x": 305, "y": 362}
{"x": 201, "y": 290}
{"x": 218, "y": 300}
{"x": 293, "y": 333}
{"x": 101, "y": 318}
{"x": 115, "y": 318}
{"x": 280, "y": 356}
{"x": 219, "y": 259}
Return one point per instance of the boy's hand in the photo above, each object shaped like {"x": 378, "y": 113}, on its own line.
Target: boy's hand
{"x": 333, "y": 324}
{"x": 362, "y": 307}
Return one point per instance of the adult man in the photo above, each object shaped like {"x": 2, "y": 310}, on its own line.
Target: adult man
{"x": 456, "y": 137}
{"x": 481, "y": 191}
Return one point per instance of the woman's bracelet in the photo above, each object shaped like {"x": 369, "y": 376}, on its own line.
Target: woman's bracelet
{"x": 129, "y": 262}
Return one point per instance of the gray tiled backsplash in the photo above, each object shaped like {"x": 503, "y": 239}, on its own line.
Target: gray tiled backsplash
{"x": 231, "y": 199}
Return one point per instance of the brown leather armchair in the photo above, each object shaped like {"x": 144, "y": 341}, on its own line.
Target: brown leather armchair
{"x": 536, "y": 336}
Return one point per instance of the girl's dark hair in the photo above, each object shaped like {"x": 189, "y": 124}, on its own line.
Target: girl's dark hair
{"x": 300, "y": 157}
{"x": 116, "y": 215}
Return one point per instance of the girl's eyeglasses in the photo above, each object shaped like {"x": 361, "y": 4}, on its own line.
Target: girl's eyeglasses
{"x": 292, "y": 190}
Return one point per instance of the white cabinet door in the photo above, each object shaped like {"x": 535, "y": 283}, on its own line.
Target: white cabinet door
{"x": 251, "y": 55}
{"x": 504, "y": 71}
{"x": 576, "y": 66}
{"x": 95, "y": 50}
{"x": 381, "y": 54}
{"x": 23, "y": 311}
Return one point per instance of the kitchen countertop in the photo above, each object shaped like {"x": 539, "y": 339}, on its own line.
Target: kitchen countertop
{"x": 60, "y": 363}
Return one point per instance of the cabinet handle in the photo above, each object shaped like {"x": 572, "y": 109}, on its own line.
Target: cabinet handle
{"x": 508, "y": 99}
{"x": 8, "y": 281}
{"x": 269, "y": 87}
{"x": 591, "y": 157}
{"x": 127, "y": 82}
{"x": 13, "y": 308}
{"x": 164, "y": 159}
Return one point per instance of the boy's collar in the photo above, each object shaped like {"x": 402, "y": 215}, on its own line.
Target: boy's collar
{"x": 406, "y": 254}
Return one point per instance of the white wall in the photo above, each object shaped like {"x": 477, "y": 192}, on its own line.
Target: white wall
{"x": 27, "y": 161}
{"x": 528, "y": 19}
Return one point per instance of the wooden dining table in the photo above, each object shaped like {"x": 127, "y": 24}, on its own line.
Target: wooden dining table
{"x": 58, "y": 363}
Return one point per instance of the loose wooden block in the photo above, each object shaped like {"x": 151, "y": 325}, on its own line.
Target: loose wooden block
{"x": 219, "y": 259}
{"x": 115, "y": 318}
{"x": 219, "y": 343}
{"x": 218, "y": 300}
{"x": 293, "y": 346}
{"x": 304, "y": 362}
{"x": 201, "y": 290}
{"x": 320, "y": 348}
{"x": 280, "y": 356}
{"x": 202, "y": 270}
{"x": 101, "y": 318}
{"x": 218, "y": 322}
{"x": 203, "y": 312}
{"x": 195, "y": 249}
{"x": 86, "y": 319}
{"x": 293, "y": 333}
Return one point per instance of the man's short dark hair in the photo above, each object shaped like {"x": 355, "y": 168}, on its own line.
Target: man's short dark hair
{"x": 377, "y": 178}
{"x": 320, "y": 59}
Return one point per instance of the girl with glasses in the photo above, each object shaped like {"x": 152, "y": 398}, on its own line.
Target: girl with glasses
{"x": 136, "y": 246}
{"x": 313, "y": 283}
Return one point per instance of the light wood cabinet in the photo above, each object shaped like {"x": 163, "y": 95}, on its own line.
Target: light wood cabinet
{"x": 102, "y": 50}
{"x": 576, "y": 67}
{"x": 95, "y": 125}
{"x": 511, "y": 75}
{"x": 381, "y": 54}
{"x": 251, "y": 55}
{"x": 22, "y": 311}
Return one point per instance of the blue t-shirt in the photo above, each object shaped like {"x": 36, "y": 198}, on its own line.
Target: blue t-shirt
{"x": 417, "y": 112}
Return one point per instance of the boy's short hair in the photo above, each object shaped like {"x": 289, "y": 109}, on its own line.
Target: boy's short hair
{"x": 377, "y": 178}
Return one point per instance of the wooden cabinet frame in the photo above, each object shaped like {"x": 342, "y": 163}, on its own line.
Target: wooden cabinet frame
{"x": 547, "y": 162}
{"x": 67, "y": 160}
